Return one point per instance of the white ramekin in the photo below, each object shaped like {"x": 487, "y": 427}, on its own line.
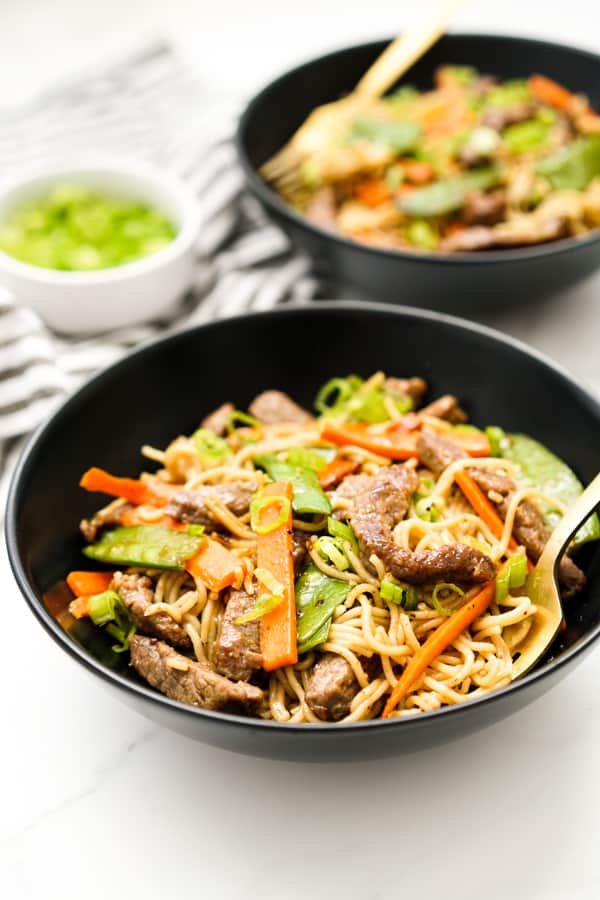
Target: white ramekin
{"x": 148, "y": 288}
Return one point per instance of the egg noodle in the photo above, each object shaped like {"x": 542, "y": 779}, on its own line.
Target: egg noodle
{"x": 376, "y": 637}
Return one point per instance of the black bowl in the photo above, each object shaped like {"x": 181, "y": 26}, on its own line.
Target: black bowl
{"x": 166, "y": 387}
{"x": 464, "y": 282}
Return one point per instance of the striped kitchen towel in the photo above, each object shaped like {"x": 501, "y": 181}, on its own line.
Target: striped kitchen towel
{"x": 151, "y": 105}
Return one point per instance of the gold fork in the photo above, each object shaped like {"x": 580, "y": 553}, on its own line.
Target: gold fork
{"x": 283, "y": 169}
{"x": 541, "y": 585}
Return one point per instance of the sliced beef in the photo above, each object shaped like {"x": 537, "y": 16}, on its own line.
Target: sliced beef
{"x": 237, "y": 649}
{"x": 299, "y": 548}
{"x": 218, "y": 420}
{"x": 415, "y": 387}
{"x": 447, "y": 408}
{"x": 109, "y": 517}
{"x": 500, "y": 117}
{"x": 321, "y": 209}
{"x": 380, "y": 506}
{"x": 190, "y": 505}
{"x": 529, "y": 528}
{"x": 484, "y": 209}
{"x": 137, "y": 593}
{"x": 191, "y": 682}
{"x": 276, "y": 408}
{"x": 331, "y": 688}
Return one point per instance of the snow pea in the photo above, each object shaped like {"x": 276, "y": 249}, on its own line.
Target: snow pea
{"x": 149, "y": 546}
{"x": 401, "y": 137}
{"x": 573, "y": 167}
{"x": 317, "y": 596}
{"x": 448, "y": 194}
{"x": 542, "y": 470}
{"x": 308, "y": 493}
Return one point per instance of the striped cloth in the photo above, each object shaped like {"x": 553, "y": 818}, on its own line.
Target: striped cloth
{"x": 152, "y": 106}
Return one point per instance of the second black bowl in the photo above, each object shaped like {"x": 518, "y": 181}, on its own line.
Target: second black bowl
{"x": 460, "y": 282}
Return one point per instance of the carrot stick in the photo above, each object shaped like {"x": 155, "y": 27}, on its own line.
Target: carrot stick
{"x": 85, "y": 584}
{"x": 215, "y": 566}
{"x": 437, "y": 642}
{"x": 550, "y": 92}
{"x": 274, "y": 553}
{"x": 132, "y": 489}
{"x": 482, "y": 506}
{"x": 336, "y": 471}
{"x": 402, "y": 445}
{"x": 372, "y": 192}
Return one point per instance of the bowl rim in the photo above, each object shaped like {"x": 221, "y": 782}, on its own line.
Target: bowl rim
{"x": 145, "y": 692}
{"x": 474, "y": 257}
{"x": 119, "y": 166}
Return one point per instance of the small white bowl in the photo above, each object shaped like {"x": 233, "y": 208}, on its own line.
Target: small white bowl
{"x": 102, "y": 299}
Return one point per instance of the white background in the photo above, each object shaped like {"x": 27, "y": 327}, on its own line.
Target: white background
{"x": 96, "y": 802}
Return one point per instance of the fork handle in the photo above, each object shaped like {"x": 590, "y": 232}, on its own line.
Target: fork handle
{"x": 575, "y": 516}
{"x": 400, "y": 55}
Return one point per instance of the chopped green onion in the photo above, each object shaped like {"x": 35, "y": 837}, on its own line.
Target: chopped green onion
{"x": 443, "y": 586}
{"x": 195, "y": 530}
{"x": 469, "y": 429}
{"x": 429, "y": 509}
{"x": 343, "y": 531}
{"x": 495, "y": 436}
{"x": 347, "y": 398}
{"x": 210, "y": 448}
{"x": 391, "y": 592}
{"x": 332, "y": 550}
{"x": 335, "y": 392}
{"x": 108, "y": 609}
{"x": 244, "y": 419}
{"x": 423, "y": 234}
{"x": 259, "y": 504}
{"x": 411, "y": 599}
{"x": 102, "y": 607}
{"x": 513, "y": 575}
{"x": 262, "y": 605}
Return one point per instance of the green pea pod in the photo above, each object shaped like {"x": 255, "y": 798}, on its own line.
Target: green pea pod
{"x": 447, "y": 195}
{"x": 146, "y": 546}
{"x": 317, "y": 596}
{"x": 573, "y": 167}
{"x": 542, "y": 470}
{"x": 398, "y": 136}
{"x": 308, "y": 493}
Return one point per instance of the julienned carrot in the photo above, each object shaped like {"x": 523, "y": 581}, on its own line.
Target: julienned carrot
{"x": 132, "y": 489}
{"x": 336, "y": 470}
{"x": 274, "y": 553}
{"x": 372, "y": 192}
{"x": 215, "y": 566}
{"x": 399, "y": 444}
{"x": 398, "y": 441}
{"x": 550, "y": 92}
{"x": 482, "y": 506}
{"x": 84, "y": 584}
{"x": 437, "y": 642}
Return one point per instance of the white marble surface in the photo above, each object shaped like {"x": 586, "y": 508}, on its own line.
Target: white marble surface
{"x": 96, "y": 802}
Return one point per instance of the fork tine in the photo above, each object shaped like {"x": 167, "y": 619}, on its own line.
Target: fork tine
{"x": 285, "y": 161}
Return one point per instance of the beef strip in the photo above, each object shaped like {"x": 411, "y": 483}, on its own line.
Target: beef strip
{"x": 331, "y": 688}
{"x": 196, "y": 684}
{"x": 381, "y": 501}
{"x": 529, "y": 528}
{"x": 480, "y": 208}
{"x": 299, "y": 548}
{"x": 137, "y": 593}
{"x": 276, "y": 408}
{"x": 109, "y": 517}
{"x": 445, "y": 407}
{"x": 218, "y": 420}
{"x": 415, "y": 387}
{"x": 500, "y": 117}
{"x": 237, "y": 648}
{"x": 190, "y": 506}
